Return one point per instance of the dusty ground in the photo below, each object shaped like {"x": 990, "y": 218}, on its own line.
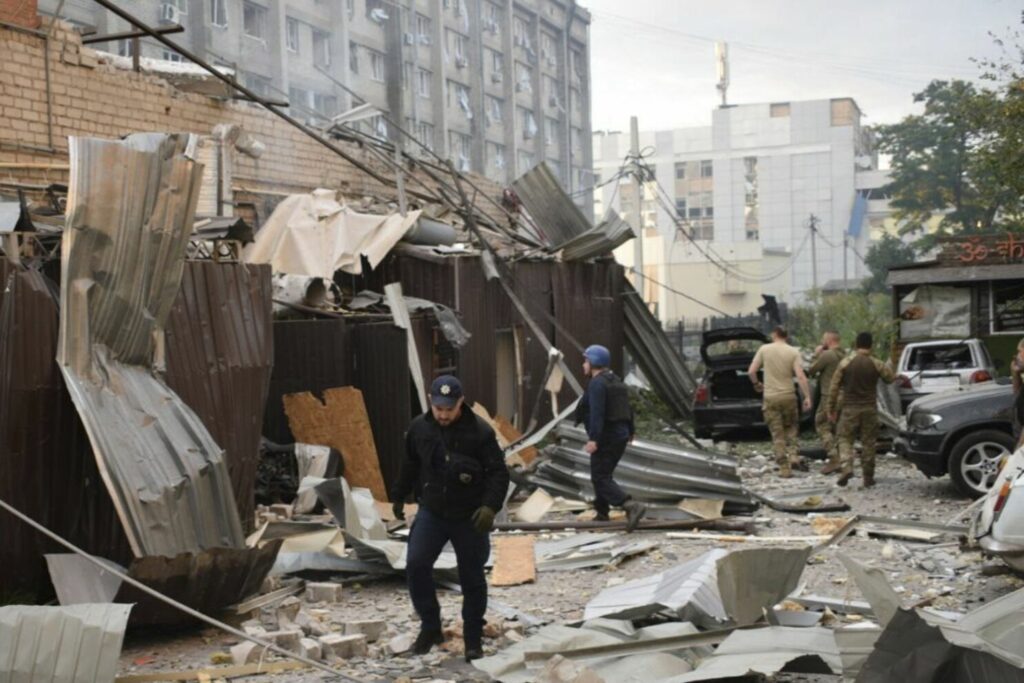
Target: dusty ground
{"x": 952, "y": 578}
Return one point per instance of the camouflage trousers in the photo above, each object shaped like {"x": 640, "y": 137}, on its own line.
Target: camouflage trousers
{"x": 783, "y": 420}
{"x": 862, "y": 421}
{"x": 827, "y": 434}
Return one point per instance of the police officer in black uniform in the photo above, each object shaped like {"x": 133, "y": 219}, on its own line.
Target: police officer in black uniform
{"x": 455, "y": 468}
{"x": 608, "y": 418}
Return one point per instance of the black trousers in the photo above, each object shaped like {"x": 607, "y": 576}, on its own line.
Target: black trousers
{"x": 602, "y": 468}
{"x": 427, "y": 539}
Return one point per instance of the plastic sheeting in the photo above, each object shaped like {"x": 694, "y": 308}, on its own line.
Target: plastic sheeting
{"x": 315, "y": 235}
{"x": 130, "y": 209}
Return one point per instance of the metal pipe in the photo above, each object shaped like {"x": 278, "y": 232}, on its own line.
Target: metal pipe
{"x": 124, "y": 35}
{"x": 746, "y": 526}
{"x": 147, "y": 30}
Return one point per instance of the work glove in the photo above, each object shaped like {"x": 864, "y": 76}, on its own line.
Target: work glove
{"x": 398, "y": 507}
{"x": 483, "y": 520}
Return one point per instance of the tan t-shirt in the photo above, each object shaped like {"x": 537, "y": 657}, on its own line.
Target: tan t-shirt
{"x": 778, "y": 360}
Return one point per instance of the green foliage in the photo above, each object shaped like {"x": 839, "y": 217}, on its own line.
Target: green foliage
{"x": 882, "y": 255}
{"x": 848, "y": 314}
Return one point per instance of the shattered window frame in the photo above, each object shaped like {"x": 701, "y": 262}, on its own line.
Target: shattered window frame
{"x": 254, "y": 21}
{"x": 321, "y": 48}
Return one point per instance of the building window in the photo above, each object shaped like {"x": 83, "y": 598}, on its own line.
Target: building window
{"x": 126, "y": 47}
{"x": 548, "y": 51}
{"x": 703, "y": 230}
{"x": 459, "y": 150}
{"x": 254, "y": 20}
{"x": 550, "y": 131}
{"x": 751, "y": 220}
{"x": 779, "y": 109}
{"x": 321, "y": 48}
{"x": 291, "y": 34}
{"x": 353, "y": 57}
{"x": 527, "y": 124}
{"x": 525, "y": 160}
{"x": 261, "y": 85}
{"x": 521, "y": 33}
{"x": 694, "y": 210}
{"x": 706, "y": 168}
{"x": 350, "y": 8}
{"x": 423, "y": 81}
{"x": 1007, "y": 307}
{"x": 376, "y": 10}
{"x": 577, "y": 137}
{"x": 707, "y": 200}
{"x": 681, "y": 170}
{"x": 423, "y": 29}
{"x": 218, "y": 13}
{"x": 524, "y": 78}
{"x": 494, "y": 110}
{"x": 171, "y": 56}
{"x": 425, "y": 134}
{"x": 325, "y": 104}
{"x": 496, "y": 156}
{"x": 576, "y": 57}
{"x": 456, "y": 46}
{"x": 491, "y": 18}
{"x": 681, "y": 207}
{"x": 376, "y": 66}
{"x": 180, "y": 5}
{"x": 551, "y": 91}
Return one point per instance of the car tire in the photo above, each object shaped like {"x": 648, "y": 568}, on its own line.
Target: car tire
{"x": 974, "y": 460}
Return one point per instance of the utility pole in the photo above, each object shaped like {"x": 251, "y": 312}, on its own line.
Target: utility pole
{"x": 814, "y": 252}
{"x": 638, "y": 197}
{"x": 846, "y": 279}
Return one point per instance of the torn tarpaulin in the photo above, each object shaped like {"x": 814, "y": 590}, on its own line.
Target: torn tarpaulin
{"x": 313, "y": 234}
{"x": 130, "y": 210}
{"x": 718, "y": 587}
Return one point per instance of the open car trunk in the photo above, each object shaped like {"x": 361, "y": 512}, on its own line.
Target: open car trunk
{"x": 727, "y": 354}
{"x": 732, "y": 384}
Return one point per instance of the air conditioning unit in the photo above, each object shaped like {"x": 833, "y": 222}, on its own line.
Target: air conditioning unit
{"x": 169, "y": 14}
{"x": 425, "y": 39}
{"x": 379, "y": 15}
{"x": 461, "y": 62}
{"x": 496, "y": 77}
{"x": 408, "y": 39}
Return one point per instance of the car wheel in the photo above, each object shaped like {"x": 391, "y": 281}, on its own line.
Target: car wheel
{"x": 974, "y": 460}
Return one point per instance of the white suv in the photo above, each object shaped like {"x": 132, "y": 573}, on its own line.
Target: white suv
{"x": 933, "y": 366}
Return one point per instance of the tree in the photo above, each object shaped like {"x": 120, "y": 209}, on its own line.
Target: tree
{"x": 943, "y": 160}
{"x": 848, "y": 314}
{"x": 882, "y": 255}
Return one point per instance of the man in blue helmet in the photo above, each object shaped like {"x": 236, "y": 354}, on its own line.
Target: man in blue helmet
{"x": 608, "y": 418}
{"x": 455, "y": 468}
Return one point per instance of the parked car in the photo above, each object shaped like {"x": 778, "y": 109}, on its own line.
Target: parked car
{"x": 725, "y": 399}
{"x": 999, "y": 527}
{"x": 934, "y": 366}
{"x": 965, "y": 432}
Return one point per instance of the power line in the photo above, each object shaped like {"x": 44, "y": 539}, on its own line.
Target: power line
{"x": 682, "y": 294}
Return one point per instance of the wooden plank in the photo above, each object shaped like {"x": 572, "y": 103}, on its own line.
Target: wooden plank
{"x": 512, "y": 435}
{"x": 214, "y": 673}
{"x": 341, "y": 422}
{"x": 514, "y": 561}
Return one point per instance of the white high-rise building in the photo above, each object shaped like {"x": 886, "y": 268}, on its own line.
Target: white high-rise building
{"x": 746, "y": 187}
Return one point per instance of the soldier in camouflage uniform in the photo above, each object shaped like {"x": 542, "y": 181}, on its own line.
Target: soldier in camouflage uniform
{"x": 781, "y": 364}
{"x": 855, "y": 384}
{"x": 826, "y": 359}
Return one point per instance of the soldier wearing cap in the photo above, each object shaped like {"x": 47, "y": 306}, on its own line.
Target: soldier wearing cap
{"x": 607, "y": 416}
{"x": 456, "y": 471}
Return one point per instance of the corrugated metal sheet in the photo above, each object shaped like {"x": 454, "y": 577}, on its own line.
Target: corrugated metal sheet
{"x": 382, "y": 372}
{"x": 219, "y": 358}
{"x": 309, "y": 355}
{"x": 130, "y": 208}
{"x": 77, "y": 644}
{"x": 551, "y": 209}
{"x": 604, "y": 238}
{"x": 46, "y": 465}
{"x": 648, "y": 471}
{"x": 656, "y": 356}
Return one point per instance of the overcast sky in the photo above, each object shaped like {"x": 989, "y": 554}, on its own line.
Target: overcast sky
{"x": 655, "y": 58}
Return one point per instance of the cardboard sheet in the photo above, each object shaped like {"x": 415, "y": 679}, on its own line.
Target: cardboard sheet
{"x": 514, "y": 561}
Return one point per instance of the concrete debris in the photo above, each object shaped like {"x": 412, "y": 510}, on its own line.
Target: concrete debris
{"x": 289, "y": 608}
{"x": 289, "y": 640}
{"x": 535, "y": 507}
{"x": 343, "y": 647}
{"x": 323, "y": 592}
{"x": 400, "y": 644}
{"x": 247, "y": 652}
{"x": 310, "y": 648}
{"x": 371, "y": 628}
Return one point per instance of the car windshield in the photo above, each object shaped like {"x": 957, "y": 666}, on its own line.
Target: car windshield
{"x": 733, "y": 347}
{"x": 953, "y": 357}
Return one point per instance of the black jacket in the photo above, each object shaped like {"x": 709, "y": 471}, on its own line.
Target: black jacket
{"x": 452, "y": 470}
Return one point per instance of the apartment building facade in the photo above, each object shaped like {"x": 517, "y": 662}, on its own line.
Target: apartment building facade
{"x": 745, "y": 188}
{"x": 495, "y": 86}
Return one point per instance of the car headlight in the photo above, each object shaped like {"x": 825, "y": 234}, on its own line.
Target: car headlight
{"x": 924, "y": 420}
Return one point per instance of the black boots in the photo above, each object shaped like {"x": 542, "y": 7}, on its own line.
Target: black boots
{"x": 634, "y": 512}
{"x": 426, "y": 640}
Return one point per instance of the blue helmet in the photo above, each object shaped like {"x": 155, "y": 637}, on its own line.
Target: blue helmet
{"x": 598, "y": 356}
